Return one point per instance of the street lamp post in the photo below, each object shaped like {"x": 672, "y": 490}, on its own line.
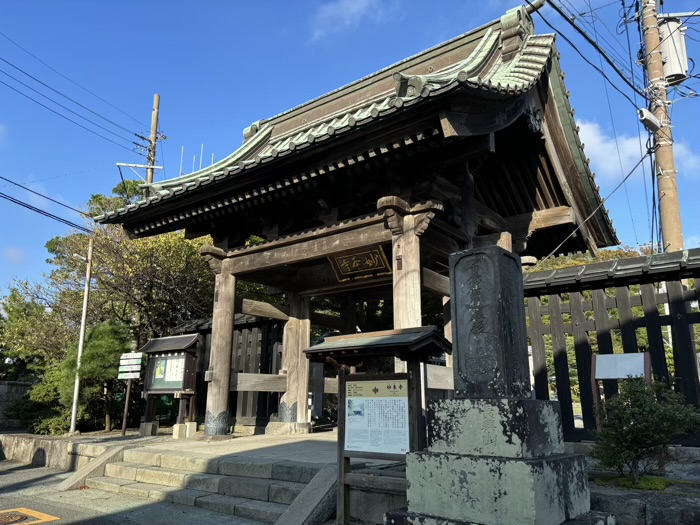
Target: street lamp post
{"x": 81, "y": 340}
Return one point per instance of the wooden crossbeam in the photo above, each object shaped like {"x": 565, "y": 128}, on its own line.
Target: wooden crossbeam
{"x": 526, "y": 224}
{"x": 245, "y": 261}
{"x": 436, "y": 282}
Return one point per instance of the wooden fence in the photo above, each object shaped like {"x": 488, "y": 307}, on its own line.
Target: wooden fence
{"x": 629, "y": 305}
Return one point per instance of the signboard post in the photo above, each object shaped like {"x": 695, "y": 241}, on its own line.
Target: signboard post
{"x": 374, "y": 422}
{"x": 130, "y": 367}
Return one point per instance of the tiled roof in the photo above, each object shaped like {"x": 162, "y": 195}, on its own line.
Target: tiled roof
{"x": 649, "y": 268}
{"x": 507, "y": 62}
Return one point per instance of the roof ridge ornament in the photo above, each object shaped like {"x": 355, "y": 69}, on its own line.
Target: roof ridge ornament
{"x": 251, "y": 130}
{"x": 516, "y": 27}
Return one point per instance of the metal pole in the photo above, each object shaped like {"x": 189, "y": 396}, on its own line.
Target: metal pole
{"x": 669, "y": 206}
{"x": 126, "y": 406}
{"x": 153, "y": 139}
{"x": 81, "y": 340}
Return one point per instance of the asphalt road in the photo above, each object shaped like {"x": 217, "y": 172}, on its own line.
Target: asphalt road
{"x": 34, "y": 488}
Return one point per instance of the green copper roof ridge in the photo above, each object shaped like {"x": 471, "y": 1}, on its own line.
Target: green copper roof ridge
{"x": 230, "y": 161}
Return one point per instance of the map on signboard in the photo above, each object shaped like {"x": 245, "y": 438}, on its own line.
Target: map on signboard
{"x": 368, "y": 262}
{"x": 376, "y": 416}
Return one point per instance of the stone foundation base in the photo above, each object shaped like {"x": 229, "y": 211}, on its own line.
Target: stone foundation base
{"x": 148, "y": 429}
{"x": 497, "y": 490}
{"x": 404, "y": 517}
{"x": 249, "y": 430}
{"x": 511, "y": 428}
{"x": 278, "y": 428}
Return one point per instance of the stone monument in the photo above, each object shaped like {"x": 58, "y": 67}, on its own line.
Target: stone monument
{"x": 496, "y": 456}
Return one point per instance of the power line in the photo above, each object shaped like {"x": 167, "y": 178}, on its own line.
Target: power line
{"x": 650, "y": 223}
{"x": 44, "y": 196}
{"x": 72, "y": 100}
{"x": 80, "y": 172}
{"x": 683, "y": 22}
{"x": 70, "y": 120}
{"x": 44, "y": 213}
{"x": 68, "y": 109}
{"x": 575, "y": 48}
{"x": 592, "y": 43}
{"x": 593, "y": 212}
{"x": 618, "y": 55}
{"x": 617, "y": 142}
{"x": 71, "y": 80}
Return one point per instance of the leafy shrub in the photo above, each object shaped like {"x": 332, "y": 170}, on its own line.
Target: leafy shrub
{"x": 637, "y": 426}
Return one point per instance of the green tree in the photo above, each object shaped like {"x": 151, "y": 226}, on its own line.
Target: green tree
{"x": 639, "y": 424}
{"x": 99, "y": 365}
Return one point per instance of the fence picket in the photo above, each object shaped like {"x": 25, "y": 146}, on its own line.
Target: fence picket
{"x": 561, "y": 365}
{"x": 582, "y": 347}
{"x": 539, "y": 359}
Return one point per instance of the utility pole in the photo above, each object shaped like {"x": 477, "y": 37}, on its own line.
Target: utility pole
{"x": 669, "y": 206}
{"x": 81, "y": 340}
{"x": 153, "y": 139}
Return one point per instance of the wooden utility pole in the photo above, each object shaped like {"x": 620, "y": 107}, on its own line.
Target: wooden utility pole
{"x": 153, "y": 139}
{"x": 669, "y": 207}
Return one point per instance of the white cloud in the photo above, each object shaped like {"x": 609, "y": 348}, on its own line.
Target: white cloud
{"x": 691, "y": 241}
{"x": 600, "y": 147}
{"x": 14, "y": 255}
{"x": 687, "y": 162}
{"x": 341, "y": 15}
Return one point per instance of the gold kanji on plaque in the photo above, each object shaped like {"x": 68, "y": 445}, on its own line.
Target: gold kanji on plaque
{"x": 367, "y": 262}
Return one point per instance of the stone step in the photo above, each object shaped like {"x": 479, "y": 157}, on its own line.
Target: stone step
{"x": 243, "y": 510}
{"x": 247, "y": 466}
{"x": 261, "y": 489}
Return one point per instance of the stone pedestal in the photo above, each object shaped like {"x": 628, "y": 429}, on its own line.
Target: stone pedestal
{"x": 496, "y": 457}
{"x": 497, "y": 462}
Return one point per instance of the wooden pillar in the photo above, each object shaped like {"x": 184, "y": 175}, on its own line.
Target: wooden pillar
{"x": 297, "y": 338}
{"x": 406, "y": 223}
{"x": 219, "y": 373}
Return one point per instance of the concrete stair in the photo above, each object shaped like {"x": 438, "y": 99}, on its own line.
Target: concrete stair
{"x": 253, "y": 490}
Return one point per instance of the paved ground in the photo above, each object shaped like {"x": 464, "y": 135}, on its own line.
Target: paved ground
{"x": 32, "y": 488}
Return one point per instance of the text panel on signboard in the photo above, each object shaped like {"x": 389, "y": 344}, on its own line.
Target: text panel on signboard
{"x": 376, "y": 416}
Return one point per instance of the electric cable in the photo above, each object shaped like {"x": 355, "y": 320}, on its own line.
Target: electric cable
{"x": 593, "y": 212}
{"x": 639, "y": 128}
{"x": 72, "y": 81}
{"x": 592, "y": 43}
{"x": 70, "y": 120}
{"x": 575, "y": 48}
{"x": 44, "y": 196}
{"x": 68, "y": 109}
{"x": 72, "y": 100}
{"x": 617, "y": 142}
{"x": 683, "y": 22}
{"x": 44, "y": 213}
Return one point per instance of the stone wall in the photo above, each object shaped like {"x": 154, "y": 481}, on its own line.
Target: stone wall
{"x": 10, "y": 391}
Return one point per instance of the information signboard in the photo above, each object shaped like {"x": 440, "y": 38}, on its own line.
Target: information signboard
{"x": 130, "y": 365}
{"x": 168, "y": 372}
{"x": 376, "y": 416}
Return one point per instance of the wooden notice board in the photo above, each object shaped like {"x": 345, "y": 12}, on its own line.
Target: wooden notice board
{"x": 379, "y": 417}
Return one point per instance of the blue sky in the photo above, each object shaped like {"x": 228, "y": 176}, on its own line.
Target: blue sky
{"x": 219, "y": 66}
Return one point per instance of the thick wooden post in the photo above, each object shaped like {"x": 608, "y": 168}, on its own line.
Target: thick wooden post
{"x": 219, "y": 373}
{"x": 297, "y": 338}
{"x": 406, "y": 223}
